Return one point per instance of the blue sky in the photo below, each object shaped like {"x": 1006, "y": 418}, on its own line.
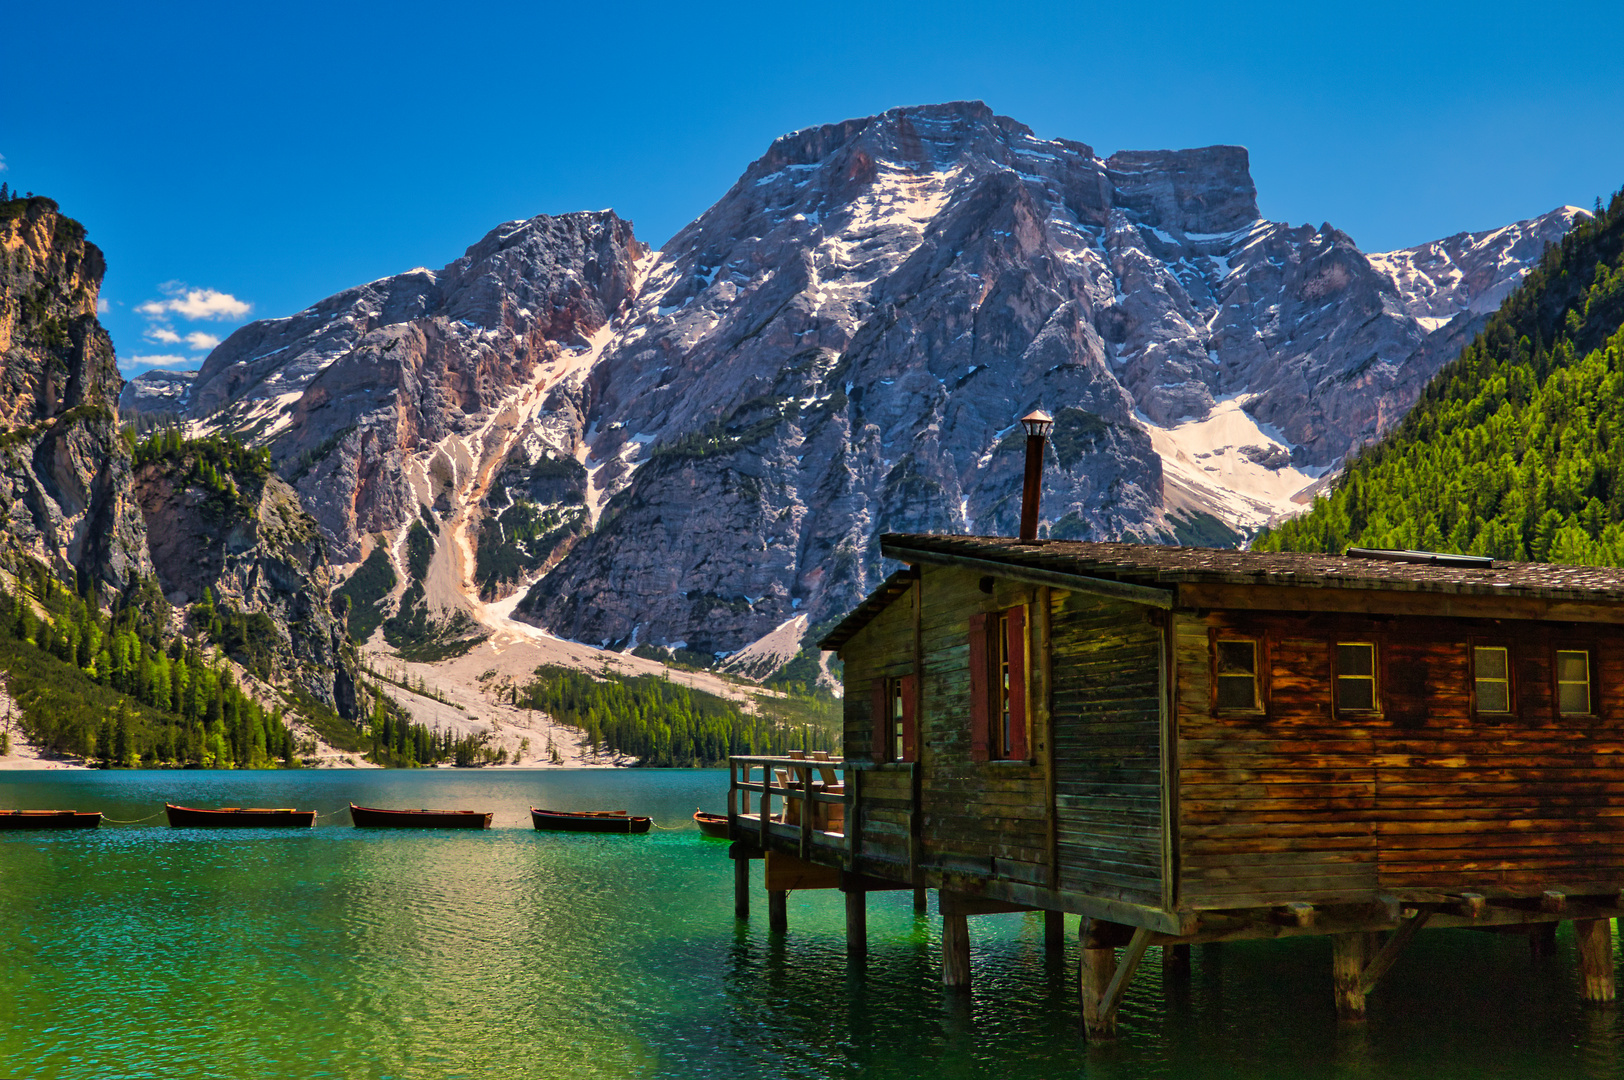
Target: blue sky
{"x": 242, "y": 161}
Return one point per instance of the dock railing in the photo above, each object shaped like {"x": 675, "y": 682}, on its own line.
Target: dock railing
{"x": 810, "y": 797}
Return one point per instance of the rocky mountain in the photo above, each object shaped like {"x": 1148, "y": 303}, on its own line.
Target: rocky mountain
{"x": 74, "y": 498}
{"x": 65, "y": 483}
{"x": 156, "y": 393}
{"x": 694, "y": 446}
{"x": 224, "y": 530}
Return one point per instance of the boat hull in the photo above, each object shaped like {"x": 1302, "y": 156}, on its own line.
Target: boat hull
{"x": 712, "y": 825}
{"x": 592, "y": 821}
{"x": 231, "y": 817}
{"x": 370, "y": 817}
{"x": 49, "y": 819}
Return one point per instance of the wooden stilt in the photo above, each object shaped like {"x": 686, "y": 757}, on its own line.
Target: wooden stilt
{"x": 1176, "y": 959}
{"x": 777, "y": 911}
{"x": 919, "y": 900}
{"x": 1054, "y": 935}
{"x": 1347, "y": 974}
{"x": 1095, "y": 971}
{"x": 856, "y": 924}
{"x": 956, "y": 952}
{"x": 741, "y": 887}
{"x": 1542, "y": 940}
{"x": 1597, "y": 984}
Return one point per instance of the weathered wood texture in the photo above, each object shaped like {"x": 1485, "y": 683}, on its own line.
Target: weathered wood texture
{"x": 1425, "y": 797}
{"x": 986, "y": 818}
{"x": 1106, "y": 662}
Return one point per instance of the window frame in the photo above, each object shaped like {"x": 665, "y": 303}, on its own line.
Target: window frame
{"x": 1589, "y": 651}
{"x": 895, "y": 734}
{"x": 1260, "y": 705}
{"x": 1472, "y": 647}
{"x": 992, "y": 695}
{"x": 1374, "y": 643}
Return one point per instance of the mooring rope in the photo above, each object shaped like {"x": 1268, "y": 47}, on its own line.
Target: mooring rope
{"x": 334, "y": 813}
{"x": 134, "y": 821}
{"x": 667, "y": 828}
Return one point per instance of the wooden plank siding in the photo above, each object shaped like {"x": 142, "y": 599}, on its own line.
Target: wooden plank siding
{"x": 988, "y": 819}
{"x": 1421, "y": 799}
{"x": 883, "y": 649}
{"x": 1107, "y": 672}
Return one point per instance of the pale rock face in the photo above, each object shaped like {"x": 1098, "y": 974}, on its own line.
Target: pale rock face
{"x": 64, "y": 472}
{"x": 839, "y": 347}
{"x": 156, "y": 393}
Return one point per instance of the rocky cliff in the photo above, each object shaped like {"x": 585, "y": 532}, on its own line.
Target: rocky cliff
{"x": 226, "y": 531}
{"x": 65, "y": 496}
{"x": 694, "y": 446}
{"x": 72, "y": 498}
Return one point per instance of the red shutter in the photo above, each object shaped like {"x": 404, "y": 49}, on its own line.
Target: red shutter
{"x": 980, "y": 687}
{"x": 882, "y": 716}
{"x": 1016, "y": 623}
{"x": 910, "y": 687}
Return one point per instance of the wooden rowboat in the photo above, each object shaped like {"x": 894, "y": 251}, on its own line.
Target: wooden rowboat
{"x": 596, "y": 821}
{"x": 239, "y": 817}
{"x": 372, "y": 817}
{"x": 712, "y": 825}
{"x": 49, "y": 819}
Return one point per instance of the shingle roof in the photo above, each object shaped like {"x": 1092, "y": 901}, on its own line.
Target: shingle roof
{"x": 1151, "y": 564}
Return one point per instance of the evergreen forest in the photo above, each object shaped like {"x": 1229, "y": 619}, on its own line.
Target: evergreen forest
{"x": 1515, "y": 450}
{"x": 667, "y": 724}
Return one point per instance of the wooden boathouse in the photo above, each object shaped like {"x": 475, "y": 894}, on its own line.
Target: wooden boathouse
{"x": 1187, "y": 746}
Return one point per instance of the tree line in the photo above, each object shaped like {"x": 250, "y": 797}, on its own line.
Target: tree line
{"x": 659, "y": 722}
{"x": 1515, "y": 450}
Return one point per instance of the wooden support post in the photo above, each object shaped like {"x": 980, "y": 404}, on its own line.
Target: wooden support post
{"x": 856, "y": 924}
{"x": 1597, "y": 984}
{"x": 1347, "y": 974}
{"x": 741, "y": 885}
{"x": 919, "y": 900}
{"x": 1176, "y": 960}
{"x": 956, "y": 951}
{"x": 1382, "y": 957}
{"x": 777, "y": 911}
{"x": 1095, "y": 971}
{"x": 1542, "y": 940}
{"x": 1054, "y": 936}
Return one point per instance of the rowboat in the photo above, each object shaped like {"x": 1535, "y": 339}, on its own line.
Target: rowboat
{"x": 49, "y": 819}
{"x": 598, "y": 821}
{"x": 713, "y": 825}
{"x": 239, "y": 817}
{"x": 372, "y": 817}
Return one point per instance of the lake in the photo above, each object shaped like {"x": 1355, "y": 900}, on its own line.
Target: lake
{"x": 144, "y": 951}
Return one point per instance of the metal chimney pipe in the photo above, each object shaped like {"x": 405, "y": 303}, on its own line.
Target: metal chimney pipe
{"x": 1037, "y": 424}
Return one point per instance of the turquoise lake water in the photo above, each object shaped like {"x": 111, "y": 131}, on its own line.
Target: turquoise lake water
{"x": 144, "y": 951}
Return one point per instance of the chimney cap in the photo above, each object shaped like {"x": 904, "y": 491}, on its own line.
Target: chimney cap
{"x": 1037, "y": 422}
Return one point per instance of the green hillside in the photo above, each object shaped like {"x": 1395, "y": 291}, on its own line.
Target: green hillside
{"x": 1516, "y": 449}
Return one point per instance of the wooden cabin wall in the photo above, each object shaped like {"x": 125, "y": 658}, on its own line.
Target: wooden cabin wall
{"x": 1108, "y": 680}
{"x": 883, "y": 649}
{"x": 983, "y": 818}
{"x": 1424, "y": 800}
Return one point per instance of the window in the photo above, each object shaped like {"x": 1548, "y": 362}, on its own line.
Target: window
{"x": 998, "y": 667}
{"x": 1236, "y": 675}
{"x": 894, "y": 719}
{"x": 1573, "y": 682}
{"x": 1491, "y": 674}
{"x": 898, "y": 739}
{"x": 1356, "y": 676}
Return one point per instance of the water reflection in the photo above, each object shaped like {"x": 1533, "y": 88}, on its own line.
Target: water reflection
{"x": 145, "y": 951}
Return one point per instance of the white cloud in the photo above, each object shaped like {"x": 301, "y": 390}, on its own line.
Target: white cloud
{"x": 162, "y": 334}
{"x": 102, "y": 306}
{"x": 3, "y": 165}
{"x": 196, "y": 304}
{"x": 200, "y": 341}
{"x": 162, "y": 360}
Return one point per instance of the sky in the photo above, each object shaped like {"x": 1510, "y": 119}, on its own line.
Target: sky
{"x": 244, "y": 161}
